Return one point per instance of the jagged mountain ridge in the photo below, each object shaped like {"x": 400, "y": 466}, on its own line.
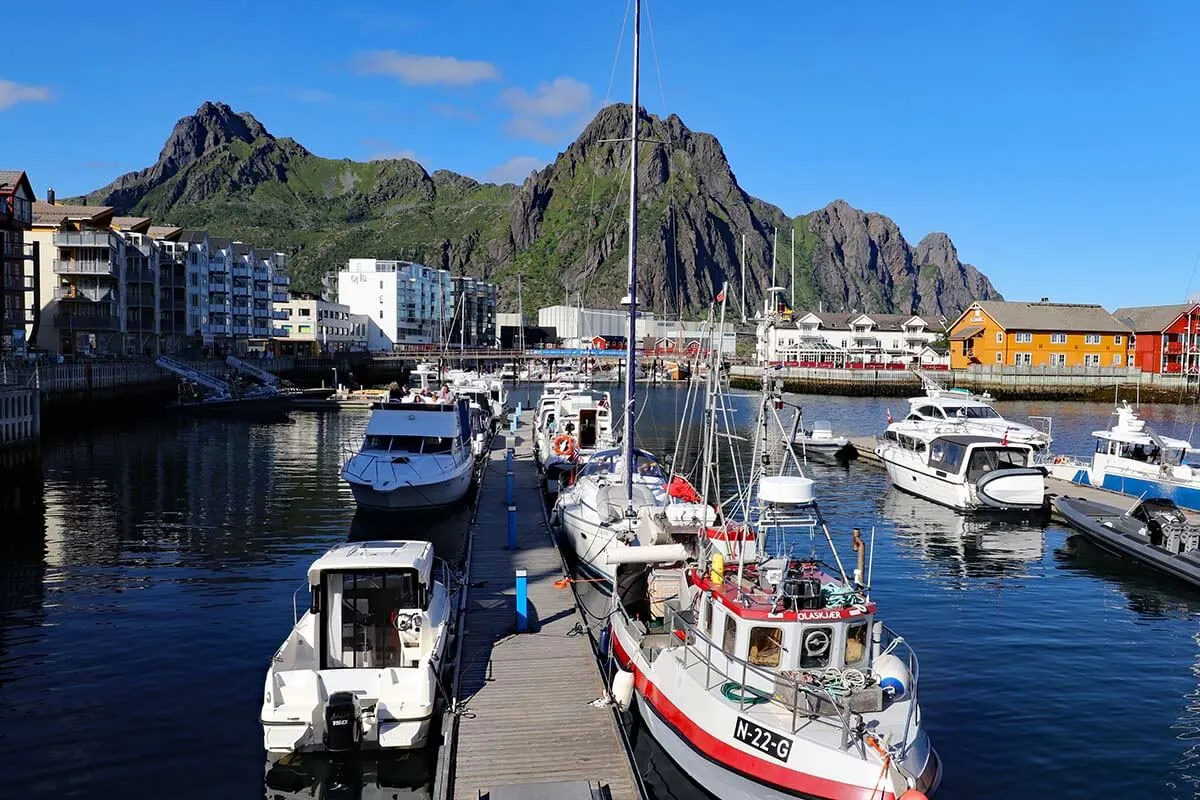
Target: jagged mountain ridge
{"x": 564, "y": 230}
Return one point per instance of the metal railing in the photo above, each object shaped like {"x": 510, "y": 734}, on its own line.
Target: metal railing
{"x": 83, "y": 239}
{"x": 91, "y": 293}
{"x": 351, "y": 453}
{"x": 87, "y": 322}
{"x": 140, "y": 275}
{"x": 94, "y": 267}
{"x": 698, "y": 649}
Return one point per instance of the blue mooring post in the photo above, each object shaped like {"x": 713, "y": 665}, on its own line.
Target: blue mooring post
{"x": 508, "y": 459}
{"x": 508, "y": 486}
{"x": 522, "y": 602}
{"x": 512, "y": 527}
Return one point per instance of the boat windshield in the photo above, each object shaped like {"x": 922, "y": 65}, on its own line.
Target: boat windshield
{"x": 990, "y": 459}
{"x": 971, "y": 412}
{"x": 363, "y": 625}
{"x": 609, "y": 463}
{"x": 410, "y": 444}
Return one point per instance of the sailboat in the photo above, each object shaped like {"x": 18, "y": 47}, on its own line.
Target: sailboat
{"x": 763, "y": 669}
{"x": 599, "y": 510}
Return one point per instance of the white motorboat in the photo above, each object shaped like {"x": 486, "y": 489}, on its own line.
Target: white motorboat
{"x": 577, "y": 426}
{"x": 414, "y": 455}
{"x": 767, "y": 673}
{"x": 820, "y": 441}
{"x": 968, "y": 473}
{"x": 1132, "y": 458}
{"x": 361, "y": 665}
{"x": 960, "y": 412}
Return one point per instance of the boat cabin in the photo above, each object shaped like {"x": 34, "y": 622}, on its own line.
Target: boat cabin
{"x": 590, "y": 415}
{"x": 969, "y": 456}
{"x": 612, "y": 462}
{"x": 371, "y": 600}
{"x": 943, "y": 409}
{"x": 417, "y": 428}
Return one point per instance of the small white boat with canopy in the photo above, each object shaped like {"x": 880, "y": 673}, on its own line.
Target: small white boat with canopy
{"x": 361, "y": 666}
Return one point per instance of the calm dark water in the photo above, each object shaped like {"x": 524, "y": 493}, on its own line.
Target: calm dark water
{"x": 138, "y": 613}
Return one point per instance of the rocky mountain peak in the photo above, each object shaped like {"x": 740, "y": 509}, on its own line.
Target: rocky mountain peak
{"x": 213, "y": 125}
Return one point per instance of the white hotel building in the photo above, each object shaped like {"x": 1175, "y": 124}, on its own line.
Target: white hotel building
{"x": 837, "y": 339}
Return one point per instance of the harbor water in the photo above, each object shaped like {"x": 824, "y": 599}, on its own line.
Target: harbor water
{"x": 148, "y": 574}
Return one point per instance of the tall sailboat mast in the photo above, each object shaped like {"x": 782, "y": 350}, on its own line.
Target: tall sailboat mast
{"x": 630, "y": 372}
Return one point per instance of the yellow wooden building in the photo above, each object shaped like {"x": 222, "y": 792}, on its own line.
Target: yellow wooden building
{"x": 1037, "y": 335}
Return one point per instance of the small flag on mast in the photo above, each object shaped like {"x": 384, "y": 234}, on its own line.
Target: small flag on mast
{"x": 721, "y": 295}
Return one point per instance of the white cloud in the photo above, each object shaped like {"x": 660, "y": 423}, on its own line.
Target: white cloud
{"x": 454, "y": 112}
{"x": 417, "y": 70}
{"x": 12, "y": 93}
{"x": 515, "y": 170}
{"x": 560, "y": 97}
{"x": 312, "y": 96}
{"x": 383, "y": 150}
{"x": 536, "y": 130}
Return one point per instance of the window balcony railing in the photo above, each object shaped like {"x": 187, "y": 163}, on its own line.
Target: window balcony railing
{"x": 281, "y": 280}
{"x": 84, "y": 267}
{"x": 93, "y": 294}
{"x": 15, "y": 210}
{"x": 140, "y": 275}
{"x": 84, "y": 239}
{"x": 241, "y": 291}
{"x": 241, "y": 271}
{"x": 87, "y": 322}
{"x": 279, "y": 297}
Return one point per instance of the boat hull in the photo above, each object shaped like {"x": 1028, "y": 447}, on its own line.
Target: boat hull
{"x": 413, "y": 495}
{"x": 1184, "y": 496}
{"x": 1025, "y": 494}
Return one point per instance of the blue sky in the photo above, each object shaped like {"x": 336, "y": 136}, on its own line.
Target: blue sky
{"x": 1054, "y": 142}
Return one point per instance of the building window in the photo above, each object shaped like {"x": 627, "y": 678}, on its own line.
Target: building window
{"x": 1058, "y": 338}
{"x": 1023, "y": 338}
{"x": 1058, "y": 359}
{"x": 1023, "y": 359}
{"x": 999, "y": 357}
{"x": 1091, "y": 338}
{"x": 1116, "y": 359}
{"x": 1091, "y": 360}
{"x": 1117, "y": 339}
{"x": 304, "y": 312}
{"x": 999, "y": 337}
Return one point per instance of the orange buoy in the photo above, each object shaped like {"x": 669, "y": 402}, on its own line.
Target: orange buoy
{"x": 913, "y": 794}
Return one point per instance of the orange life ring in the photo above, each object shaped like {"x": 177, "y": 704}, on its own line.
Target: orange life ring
{"x": 564, "y": 445}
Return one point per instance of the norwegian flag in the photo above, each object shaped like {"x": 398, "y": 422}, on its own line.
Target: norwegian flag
{"x": 889, "y": 416}
{"x": 1004, "y": 438}
{"x": 721, "y": 295}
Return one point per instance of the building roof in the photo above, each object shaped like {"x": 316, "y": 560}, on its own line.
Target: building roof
{"x": 219, "y": 243}
{"x": 241, "y": 249}
{"x": 53, "y": 214}
{"x": 264, "y": 254}
{"x": 193, "y": 236}
{"x": 135, "y": 224}
{"x": 1051, "y": 317}
{"x": 1152, "y": 319}
{"x": 841, "y": 321}
{"x": 13, "y": 177}
{"x": 164, "y": 231}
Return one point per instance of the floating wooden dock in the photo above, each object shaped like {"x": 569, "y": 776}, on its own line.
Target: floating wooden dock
{"x": 1055, "y": 487}
{"x": 525, "y": 726}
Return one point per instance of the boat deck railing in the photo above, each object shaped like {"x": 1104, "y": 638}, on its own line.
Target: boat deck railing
{"x": 370, "y": 467}
{"x": 698, "y": 648}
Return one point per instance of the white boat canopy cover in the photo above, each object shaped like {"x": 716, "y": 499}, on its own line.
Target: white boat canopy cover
{"x": 375, "y": 556}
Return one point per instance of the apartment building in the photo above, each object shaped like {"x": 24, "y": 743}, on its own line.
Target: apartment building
{"x": 1165, "y": 339}
{"x": 474, "y": 320}
{"x": 840, "y": 339}
{"x": 408, "y": 304}
{"x": 19, "y": 263}
{"x": 121, "y": 285}
{"x": 312, "y": 325}
{"x": 1041, "y": 334}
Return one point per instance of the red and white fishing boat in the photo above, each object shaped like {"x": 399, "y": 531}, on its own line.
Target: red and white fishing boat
{"x": 760, "y": 668}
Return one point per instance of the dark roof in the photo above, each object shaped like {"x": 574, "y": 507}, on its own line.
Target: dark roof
{"x": 54, "y": 214}
{"x": 132, "y": 223}
{"x": 220, "y": 243}
{"x": 1086, "y": 317}
{"x": 164, "y": 231}
{"x": 193, "y": 236}
{"x": 241, "y": 249}
{"x": 13, "y": 177}
{"x": 969, "y": 332}
{"x": 1152, "y": 319}
{"x": 840, "y": 321}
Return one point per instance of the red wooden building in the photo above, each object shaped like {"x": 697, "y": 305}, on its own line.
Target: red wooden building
{"x": 1166, "y": 339}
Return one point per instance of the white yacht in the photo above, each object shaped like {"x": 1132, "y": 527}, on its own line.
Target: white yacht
{"x": 969, "y": 473}
{"x": 361, "y": 665}
{"x": 1132, "y": 458}
{"x": 414, "y": 455}
{"x": 956, "y": 411}
{"x": 577, "y": 426}
{"x": 820, "y": 440}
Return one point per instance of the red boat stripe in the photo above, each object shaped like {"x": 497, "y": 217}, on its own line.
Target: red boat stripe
{"x": 751, "y": 767}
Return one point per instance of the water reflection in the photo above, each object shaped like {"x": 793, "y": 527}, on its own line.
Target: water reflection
{"x": 1147, "y": 593}
{"x": 969, "y": 546}
{"x": 361, "y": 776}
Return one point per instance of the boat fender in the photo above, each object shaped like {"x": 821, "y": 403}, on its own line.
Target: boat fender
{"x": 717, "y": 572}
{"x": 913, "y": 794}
{"x": 622, "y": 688}
{"x": 894, "y": 677}
{"x": 605, "y": 640}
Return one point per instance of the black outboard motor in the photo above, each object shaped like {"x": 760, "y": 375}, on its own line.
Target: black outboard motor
{"x": 343, "y": 729}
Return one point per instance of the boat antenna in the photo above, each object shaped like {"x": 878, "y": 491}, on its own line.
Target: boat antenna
{"x": 630, "y": 379}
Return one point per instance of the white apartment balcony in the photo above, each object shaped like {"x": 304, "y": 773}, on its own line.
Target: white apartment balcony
{"x": 241, "y": 291}
{"x": 281, "y": 279}
{"x": 241, "y": 330}
{"x": 85, "y": 267}
{"x": 217, "y": 329}
{"x": 279, "y": 297}
{"x": 103, "y": 239}
{"x": 218, "y": 268}
{"x": 261, "y": 330}
{"x": 218, "y": 306}
{"x": 279, "y": 333}
{"x": 241, "y": 270}
{"x": 262, "y": 294}
{"x": 279, "y": 313}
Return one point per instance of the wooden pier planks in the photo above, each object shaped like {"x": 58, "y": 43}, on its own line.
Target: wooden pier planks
{"x": 528, "y": 718}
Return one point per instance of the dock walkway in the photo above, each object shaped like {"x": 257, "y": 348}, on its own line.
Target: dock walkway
{"x": 528, "y": 729}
